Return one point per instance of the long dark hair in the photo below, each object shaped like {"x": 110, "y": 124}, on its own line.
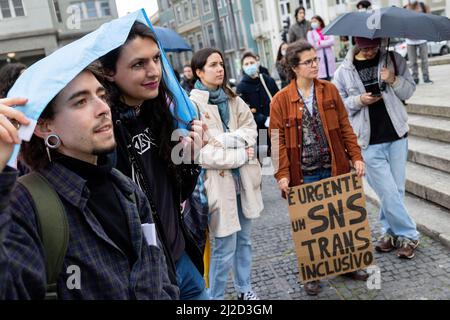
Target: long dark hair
{"x": 279, "y": 55}
{"x": 8, "y": 76}
{"x": 198, "y": 62}
{"x": 155, "y": 112}
{"x": 292, "y": 56}
{"x": 301, "y": 8}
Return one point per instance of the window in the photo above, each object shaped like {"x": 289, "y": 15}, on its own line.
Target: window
{"x": 194, "y": 8}
{"x": 187, "y": 15}
{"x": 92, "y": 9}
{"x": 5, "y": 8}
{"x": 105, "y": 9}
{"x": 261, "y": 13}
{"x": 192, "y": 43}
{"x": 179, "y": 14}
{"x": 212, "y": 41}
{"x": 11, "y": 9}
{"x": 223, "y": 30}
{"x": 18, "y": 8}
{"x": 306, "y": 4}
{"x": 206, "y": 6}
{"x": 200, "y": 40}
{"x": 239, "y": 35}
{"x": 57, "y": 10}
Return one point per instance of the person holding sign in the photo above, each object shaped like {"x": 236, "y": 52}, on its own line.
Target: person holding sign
{"x": 310, "y": 132}
{"x": 141, "y": 106}
{"x": 233, "y": 175}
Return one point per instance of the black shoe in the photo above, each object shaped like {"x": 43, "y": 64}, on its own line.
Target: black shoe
{"x": 416, "y": 81}
{"x": 312, "y": 288}
{"x": 428, "y": 81}
{"x": 359, "y": 275}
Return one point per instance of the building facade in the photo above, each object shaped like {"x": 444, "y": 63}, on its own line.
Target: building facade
{"x": 32, "y": 29}
{"x": 208, "y": 23}
{"x": 270, "y": 17}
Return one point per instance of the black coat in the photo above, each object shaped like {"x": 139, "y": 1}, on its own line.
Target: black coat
{"x": 184, "y": 185}
{"x": 253, "y": 93}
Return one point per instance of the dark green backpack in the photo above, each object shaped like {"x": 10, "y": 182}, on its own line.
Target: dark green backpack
{"x": 52, "y": 224}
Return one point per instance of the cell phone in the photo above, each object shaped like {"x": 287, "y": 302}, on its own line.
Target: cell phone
{"x": 376, "y": 95}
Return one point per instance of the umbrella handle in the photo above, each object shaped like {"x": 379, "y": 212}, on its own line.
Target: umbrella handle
{"x": 383, "y": 84}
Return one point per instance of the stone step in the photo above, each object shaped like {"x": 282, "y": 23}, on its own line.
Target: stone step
{"x": 436, "y": 128}
{"x": 430, "y": 153}
{"x": 429, "y": 184}
{"x": 428, "y": 110}
{"x": 439, "y": 60}
{"x": 431, "y": 219}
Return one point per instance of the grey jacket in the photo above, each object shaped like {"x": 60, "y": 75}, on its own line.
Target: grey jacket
{"x": 299, "y": 31}
{"x": 350, "y": 87}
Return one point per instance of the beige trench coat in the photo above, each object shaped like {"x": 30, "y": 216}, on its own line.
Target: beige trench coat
{"x": 218, "y": 158}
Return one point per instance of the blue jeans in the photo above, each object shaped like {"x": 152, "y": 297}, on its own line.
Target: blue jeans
{"x": 320, "y": 175}
{"x": 236, "y": 250}
{"x": 385, "y": 170}
{"x": 190, "y": 281}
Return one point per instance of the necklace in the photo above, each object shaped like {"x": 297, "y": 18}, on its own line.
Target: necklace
{"x": 137, "y": 109}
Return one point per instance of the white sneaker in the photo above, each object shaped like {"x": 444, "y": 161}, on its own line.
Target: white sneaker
{"x": 250, "y": 295}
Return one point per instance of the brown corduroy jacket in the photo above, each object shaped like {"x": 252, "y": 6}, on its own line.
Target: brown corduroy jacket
{"x": 286, "y": 111}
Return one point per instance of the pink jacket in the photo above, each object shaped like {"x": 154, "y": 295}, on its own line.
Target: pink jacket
{"x": 323, "y": 48}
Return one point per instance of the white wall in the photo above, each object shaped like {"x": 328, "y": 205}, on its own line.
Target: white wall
{"x": 37, "y": 17}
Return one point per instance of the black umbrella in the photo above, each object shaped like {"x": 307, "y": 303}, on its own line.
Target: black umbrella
{"x": 391, "y": 22}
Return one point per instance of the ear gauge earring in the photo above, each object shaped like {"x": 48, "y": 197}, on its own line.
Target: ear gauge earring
{"x": 52, "y": 141}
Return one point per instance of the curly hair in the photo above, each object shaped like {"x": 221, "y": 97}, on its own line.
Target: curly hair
{"x": 34, "y": 153}
{"x": 8, "y": 76}
{"x": 292, "y": 58}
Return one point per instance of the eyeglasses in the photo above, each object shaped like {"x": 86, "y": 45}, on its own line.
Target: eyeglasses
{"x": 310, "y": 62}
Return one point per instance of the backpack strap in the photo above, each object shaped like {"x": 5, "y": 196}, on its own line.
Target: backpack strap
{"x": 53, "y": 226}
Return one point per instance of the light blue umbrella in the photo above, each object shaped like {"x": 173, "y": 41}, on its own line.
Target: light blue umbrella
{"x": 41, "y": 82}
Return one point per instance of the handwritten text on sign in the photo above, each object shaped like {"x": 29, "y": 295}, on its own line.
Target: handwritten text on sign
{"x": 330, "y": 227}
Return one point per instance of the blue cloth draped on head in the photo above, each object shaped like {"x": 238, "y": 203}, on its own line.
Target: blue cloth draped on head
{"x": 46, "y": 78}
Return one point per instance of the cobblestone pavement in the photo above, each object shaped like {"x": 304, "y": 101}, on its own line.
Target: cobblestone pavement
{"x": 275, "y": 273}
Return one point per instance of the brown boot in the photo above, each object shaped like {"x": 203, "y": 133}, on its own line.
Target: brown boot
{"x": 359, "y": 275}
{"x": 386, "y": 243}
{"x": 407, "y": 248}
{"x": 312, "y": 288}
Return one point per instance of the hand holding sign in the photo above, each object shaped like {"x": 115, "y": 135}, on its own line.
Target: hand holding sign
{"x": 360, "y": 168}
{"x": 283, "y": 184}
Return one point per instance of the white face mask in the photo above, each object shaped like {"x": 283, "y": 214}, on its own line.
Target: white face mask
{"x": 283, "y": 53}
{"x": 315, "y": 25}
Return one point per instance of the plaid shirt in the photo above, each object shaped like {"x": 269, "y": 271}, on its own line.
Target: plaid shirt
{"x": 105, "y": 270}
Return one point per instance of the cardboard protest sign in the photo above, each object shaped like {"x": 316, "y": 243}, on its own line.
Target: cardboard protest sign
{"x": 330, "y": 227}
